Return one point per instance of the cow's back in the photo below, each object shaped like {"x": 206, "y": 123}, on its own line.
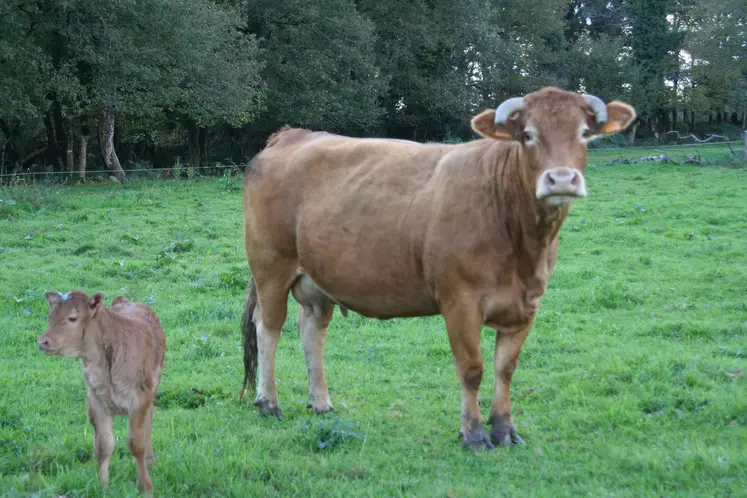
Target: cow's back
{"x": 352, "y": 212}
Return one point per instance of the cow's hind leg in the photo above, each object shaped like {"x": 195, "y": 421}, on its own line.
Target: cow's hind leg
{"x": 313, "y": 319}
{"x": 269, "y": 317}
{"x": 507, "y": 348}
{"x": 463, "y": 324}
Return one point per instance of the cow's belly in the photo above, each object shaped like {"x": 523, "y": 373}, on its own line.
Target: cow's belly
{"x": 375, "y": 277}
{"x": 371, "y": 295}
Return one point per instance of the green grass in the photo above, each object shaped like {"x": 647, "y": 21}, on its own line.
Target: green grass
{"x": 630, "y": 384}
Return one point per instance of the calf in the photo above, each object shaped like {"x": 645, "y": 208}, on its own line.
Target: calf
{"x": 122, "y": 349}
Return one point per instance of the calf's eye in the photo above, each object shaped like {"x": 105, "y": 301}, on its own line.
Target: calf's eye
{"x": 528, "y": 136}
{"x": 586, "y": 133}
{"x": 73, "y": 318}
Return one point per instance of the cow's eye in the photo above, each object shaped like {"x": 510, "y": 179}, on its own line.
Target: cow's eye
{"x": 528, "y": 136}
{"x": 73, "y": 319}
{"x": 586, "y": 133}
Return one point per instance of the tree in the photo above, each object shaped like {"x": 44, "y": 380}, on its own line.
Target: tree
{"x": 656, "y": 44}
{"x": 717, "y": 76}
{"x": 320, "y": 70}
{"x": 24, "y": 71}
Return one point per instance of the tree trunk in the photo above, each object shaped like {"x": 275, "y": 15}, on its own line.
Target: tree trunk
{"x": 674, "y": 118}
{"x": 69, "y": 139}
{"x": 2, "y": 154}
{"x": 744, "y": 119}
{"x": 630, "y": 132}
{"x": 106, "y": 140}
{"x": 62, "y": 136}
{"x": 193, "y": 137}
{"x": 51, "y": 152}
{"x": 202, "y": 144}
{"x": 664, "y": 125}
{"x": 83, "y": 155}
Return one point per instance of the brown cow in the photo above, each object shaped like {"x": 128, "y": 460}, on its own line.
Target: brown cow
{"x": 122, "y": 349}
{"x": 392, "y": 228}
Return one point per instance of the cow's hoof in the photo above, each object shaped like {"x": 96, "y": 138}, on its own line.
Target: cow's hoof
{"x": 321, "y": 410}
{"x": 266, "y": 410}
{"x": 504, "y": 434}
{"x": 477, "y": 440}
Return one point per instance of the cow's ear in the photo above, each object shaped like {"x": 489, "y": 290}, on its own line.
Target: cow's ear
{"x": 96, "y": 302}
{"x": 53, "y": 298}
{"x": 484, "y": 125}
{"x": 619, "y": 117}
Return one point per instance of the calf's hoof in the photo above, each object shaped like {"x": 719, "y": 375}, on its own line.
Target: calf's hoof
{"x": 477, "y": 440}
{"x": 145, "y": 488}
{"x": 504, "y": 433}
{"x": 266, "y": 410}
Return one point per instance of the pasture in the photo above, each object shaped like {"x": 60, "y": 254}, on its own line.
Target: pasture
{"x": 630, "y": 384}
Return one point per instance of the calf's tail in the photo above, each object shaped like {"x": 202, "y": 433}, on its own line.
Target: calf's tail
{"x": 249, "y": 339}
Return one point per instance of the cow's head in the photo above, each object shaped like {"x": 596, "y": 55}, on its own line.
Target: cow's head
{"x": 69, "y": 315}
{"x": 553, "y": 127}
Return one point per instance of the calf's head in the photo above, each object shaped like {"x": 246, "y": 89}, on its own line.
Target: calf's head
{"x": 553, "y": 127}
{"x": 69, "y": 315}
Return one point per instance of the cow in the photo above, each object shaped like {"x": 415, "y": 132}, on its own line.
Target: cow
{"x": 392, "y": 228}
{"x": 122, "y": 350}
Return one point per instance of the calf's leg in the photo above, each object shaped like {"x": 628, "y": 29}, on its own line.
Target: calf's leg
{"x": 103, "y": 438}
{"x": 313, "y": 332}
{"x": 136, "y": 442}
{"x": 463, "y": 324}
{"x": 149, "y": 458}
{"x": 507, "y": 348}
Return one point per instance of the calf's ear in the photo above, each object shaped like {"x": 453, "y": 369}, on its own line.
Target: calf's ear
{"x": 96, "y": 302}
{"x": 484, "y": 125}
{"x": 53, "y": 298}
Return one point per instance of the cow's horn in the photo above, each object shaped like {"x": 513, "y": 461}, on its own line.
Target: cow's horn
{"x": 596, "y": 105}
{"x": 507, "y": 108}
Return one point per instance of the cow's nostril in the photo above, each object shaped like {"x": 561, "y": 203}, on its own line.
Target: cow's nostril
{"x": 576, "y": 179}
{"x": 550, "y": 179}
{"x": 43, "y": 342}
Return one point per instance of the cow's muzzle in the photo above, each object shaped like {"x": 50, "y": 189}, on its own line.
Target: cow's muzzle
{"x": 561, "y": 186}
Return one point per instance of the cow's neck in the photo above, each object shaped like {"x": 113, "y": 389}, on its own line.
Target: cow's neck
{"x": 532, "y": 227}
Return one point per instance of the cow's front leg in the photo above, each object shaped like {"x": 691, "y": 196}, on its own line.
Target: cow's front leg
{"x": 463, "y": 323}
{"x": 507, "y": 348}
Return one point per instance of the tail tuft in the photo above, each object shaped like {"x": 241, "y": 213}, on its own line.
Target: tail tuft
{"x": 249, "y": 339}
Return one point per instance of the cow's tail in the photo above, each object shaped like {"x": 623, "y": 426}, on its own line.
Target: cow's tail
{"x": 249, "y": 339}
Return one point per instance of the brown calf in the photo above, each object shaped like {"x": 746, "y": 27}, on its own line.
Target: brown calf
{"x": 392, "y": 228}
{"x": 122, "y": 349}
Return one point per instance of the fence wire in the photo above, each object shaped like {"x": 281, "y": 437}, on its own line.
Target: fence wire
{"x": 126, "y": 171}
{"x": 241, "y": 167}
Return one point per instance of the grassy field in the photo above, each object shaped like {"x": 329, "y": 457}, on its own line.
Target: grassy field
{"x": 631, "y": 383}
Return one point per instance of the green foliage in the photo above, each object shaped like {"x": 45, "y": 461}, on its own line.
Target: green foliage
{"x": 631, "y": 383}
{"x": 225, "y": 74}
{"x": 320, "y": 70}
